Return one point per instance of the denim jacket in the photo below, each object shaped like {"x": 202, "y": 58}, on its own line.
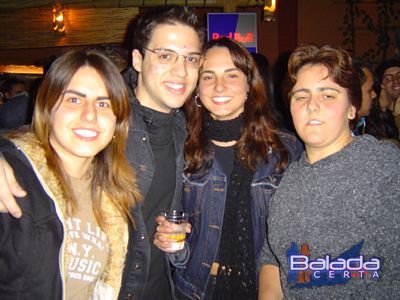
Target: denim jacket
{"x": 204, "y": 198}
{"x": 140, "y": 156}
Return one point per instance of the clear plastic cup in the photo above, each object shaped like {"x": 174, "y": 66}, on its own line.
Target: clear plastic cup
{"x": 179, "y": 220}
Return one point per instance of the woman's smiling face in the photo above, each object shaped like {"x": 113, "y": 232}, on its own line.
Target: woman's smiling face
{"x": 223, "y": 87}
{"x": 82, "y": 121}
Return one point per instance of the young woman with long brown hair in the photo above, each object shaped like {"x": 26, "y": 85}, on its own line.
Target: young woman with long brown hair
{"x": 235, "y": 157}
{"x": 72, "y": 238}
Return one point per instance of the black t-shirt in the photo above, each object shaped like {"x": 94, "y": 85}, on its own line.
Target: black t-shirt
{"x": 158, "y": 199}
{"x": 225, "y": 157}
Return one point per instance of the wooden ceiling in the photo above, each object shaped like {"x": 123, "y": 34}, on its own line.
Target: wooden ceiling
{"x": 26, "y": 25}
{"x": 228, "y": 4}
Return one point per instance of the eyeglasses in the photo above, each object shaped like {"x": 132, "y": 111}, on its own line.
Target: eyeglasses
{"x": 169, "y": 57}
{"x": 390, "y": 78}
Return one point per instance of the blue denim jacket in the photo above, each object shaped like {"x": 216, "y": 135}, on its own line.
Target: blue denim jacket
{"x": 204, "y": 198}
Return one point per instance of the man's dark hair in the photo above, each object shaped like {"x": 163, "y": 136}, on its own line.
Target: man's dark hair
{"x": 164, "y": 15}
{"x": 384, "y": 65}
{"x": 9, "y": 83}
{"x": 359, "y": 65}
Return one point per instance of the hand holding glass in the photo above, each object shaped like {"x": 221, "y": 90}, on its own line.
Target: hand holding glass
{"x": 179, "y": 220}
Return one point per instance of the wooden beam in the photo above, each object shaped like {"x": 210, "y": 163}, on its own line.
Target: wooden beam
{"x": 32, "y": 28}
{"x": 23, "y": 4}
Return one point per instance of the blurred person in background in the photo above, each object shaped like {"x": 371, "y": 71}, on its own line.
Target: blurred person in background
{"x": 368, "y": 94}
{"x": 16, "y": 110}
{"x": 388, "y": 76}
{"x": 11, "y": 87}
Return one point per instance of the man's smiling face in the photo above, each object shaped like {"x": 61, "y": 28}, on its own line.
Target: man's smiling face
{"x": 164, "y": 87}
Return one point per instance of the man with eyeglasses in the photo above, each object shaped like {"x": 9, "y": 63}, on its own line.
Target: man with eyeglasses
{"x": 388, "y": 75}
{"x": 166, "y": 59}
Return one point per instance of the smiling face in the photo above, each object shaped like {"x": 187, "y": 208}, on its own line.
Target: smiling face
{"x": 222, "y": 86}
{"x": 391, "y": 82}
{"x": 368, "y": 93}
{"x": 321, "y": 111}
{"x": 82, "y": 121}
{"x": 164, "y": 87}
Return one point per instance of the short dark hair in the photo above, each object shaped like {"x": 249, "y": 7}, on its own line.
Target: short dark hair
{"x": 164, "y": 15}
{"x": 384, "y": 65}
{"x": 7, "y": 85}
{"x": 359, "y": 65}
{"x": 339, "y": 64}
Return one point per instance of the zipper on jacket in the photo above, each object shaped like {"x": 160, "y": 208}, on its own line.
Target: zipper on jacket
{"x": 60, "y": 216}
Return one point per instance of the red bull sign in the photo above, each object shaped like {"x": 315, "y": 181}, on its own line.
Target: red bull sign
{"x": 242, "y": 27}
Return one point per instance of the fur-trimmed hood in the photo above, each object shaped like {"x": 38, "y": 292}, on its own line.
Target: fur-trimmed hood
{"x": 115, "y": 225}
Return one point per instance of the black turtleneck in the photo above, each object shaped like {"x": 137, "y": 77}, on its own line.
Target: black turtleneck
{"x": 159, "y": 197}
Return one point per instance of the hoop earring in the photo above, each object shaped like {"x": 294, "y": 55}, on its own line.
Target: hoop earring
{"x": 196, "y": 101}
{"x": 352, "y": 116}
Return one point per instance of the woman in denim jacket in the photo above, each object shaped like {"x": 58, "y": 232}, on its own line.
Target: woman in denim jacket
{"x": 235, "y": 157}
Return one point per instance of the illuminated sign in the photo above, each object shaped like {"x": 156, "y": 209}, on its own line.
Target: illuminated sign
{"x": 241, "y": 27}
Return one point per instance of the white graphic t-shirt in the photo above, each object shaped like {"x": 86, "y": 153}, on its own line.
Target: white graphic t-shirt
{"x": 88, "y": 248}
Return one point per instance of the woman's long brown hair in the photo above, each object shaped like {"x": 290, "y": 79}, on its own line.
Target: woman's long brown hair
{"x": 260, "y": 131}
{"x": 111, "y": 172}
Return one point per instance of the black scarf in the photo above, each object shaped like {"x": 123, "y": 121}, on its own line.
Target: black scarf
{"x": 236, "y": 278}
{"x": 223, "y": 131}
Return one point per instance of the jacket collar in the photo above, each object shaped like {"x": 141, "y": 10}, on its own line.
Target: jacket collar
{"x": 116, "y": 227}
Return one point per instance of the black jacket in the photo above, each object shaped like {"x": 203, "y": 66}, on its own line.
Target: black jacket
{"x": 140, "y": 156}
{"x": 137, "y": 262}
{"x": 30, "y": 246}
{"x": 33, "y": 249}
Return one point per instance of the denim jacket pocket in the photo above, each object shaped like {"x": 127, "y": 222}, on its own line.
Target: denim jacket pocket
{"x": 193, "y": 193}
{"x": 264, "y": 189}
